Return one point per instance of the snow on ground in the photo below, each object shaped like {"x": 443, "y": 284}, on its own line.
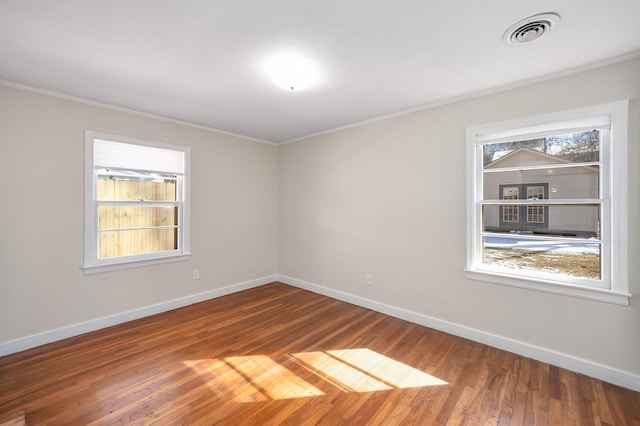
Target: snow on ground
{"x": 542, "y": 245}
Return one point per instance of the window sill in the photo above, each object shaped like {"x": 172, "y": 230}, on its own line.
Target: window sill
{"x": 97, "y": 269}
{"x": 597, "y": 294}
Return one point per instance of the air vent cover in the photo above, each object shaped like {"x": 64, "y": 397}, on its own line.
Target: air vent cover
{"x": 531, "y": 28}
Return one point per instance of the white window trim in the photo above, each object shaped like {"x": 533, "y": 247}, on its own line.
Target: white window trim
{"x": 615, "y": 195}
{"x": 92, "y": 264}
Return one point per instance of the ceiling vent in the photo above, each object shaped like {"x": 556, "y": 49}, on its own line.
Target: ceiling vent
{"x": 531, "y": 28}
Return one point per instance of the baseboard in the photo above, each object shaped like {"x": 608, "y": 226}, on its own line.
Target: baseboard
{"x": 34, "y": 340}
{"x": 579, "y": 365}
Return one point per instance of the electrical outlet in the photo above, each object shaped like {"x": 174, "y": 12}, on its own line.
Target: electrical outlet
{"x": 196, "y": 274}
{"x": 368, "y": 281}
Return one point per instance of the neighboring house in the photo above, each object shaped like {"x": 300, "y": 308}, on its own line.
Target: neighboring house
{"x": 567, "y": 183}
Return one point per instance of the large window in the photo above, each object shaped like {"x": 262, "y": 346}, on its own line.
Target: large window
{"x": 136, "y": 202}
{"x": 547, "y": 203}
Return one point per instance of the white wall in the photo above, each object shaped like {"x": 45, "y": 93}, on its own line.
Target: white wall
{"x": 388, "y": 199}
{"x": 42, "y": 286}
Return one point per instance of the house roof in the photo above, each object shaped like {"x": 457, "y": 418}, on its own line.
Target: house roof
{"x": 515, "y": 158}
{"x": 511, "y": 155}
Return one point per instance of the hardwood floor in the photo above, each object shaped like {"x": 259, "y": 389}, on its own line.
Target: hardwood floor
{"x": 280, "y": 355}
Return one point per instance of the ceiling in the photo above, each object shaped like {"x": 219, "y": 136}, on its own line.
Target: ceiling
{"x": 202, "y": 61}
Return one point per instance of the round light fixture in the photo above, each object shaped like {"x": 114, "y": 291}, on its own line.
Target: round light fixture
{"x": 291, "y": 71}
{"x": 531, "y": 28}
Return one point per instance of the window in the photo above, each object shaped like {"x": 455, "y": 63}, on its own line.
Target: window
{"x": 528, "y": 216}
{"x": 136, "y": 202}
{"x": 536, "y": 214}
{"x": 547, "y": 203}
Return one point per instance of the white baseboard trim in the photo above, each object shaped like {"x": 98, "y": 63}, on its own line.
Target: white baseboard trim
{"x": 579, "y": 365}
{"x": 34, "y": 340}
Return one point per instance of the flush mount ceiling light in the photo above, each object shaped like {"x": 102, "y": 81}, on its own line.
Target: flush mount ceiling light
{"x": 292, "y": 71}
{"x": 531, "y": 28}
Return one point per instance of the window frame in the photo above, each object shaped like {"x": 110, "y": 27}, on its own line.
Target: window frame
{"x": 92, "y": 263}
{"x": 614, "y": 191}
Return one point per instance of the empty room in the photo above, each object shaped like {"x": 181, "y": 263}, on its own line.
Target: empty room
{"x": 319, "y": 213}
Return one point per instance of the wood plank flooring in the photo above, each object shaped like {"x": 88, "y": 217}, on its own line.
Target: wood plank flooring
{"x": 280, "y": 355}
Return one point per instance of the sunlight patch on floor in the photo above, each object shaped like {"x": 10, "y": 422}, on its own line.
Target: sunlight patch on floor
{"x": 364, "y": 370}
{"x": 251, "y": 379}
{"x": 388, "y": 370}
{"x": 345, "y": 376}
{"x": 275, "y": 380}
{"x": 255, "y": 378}
{"x": 223, "y": 380}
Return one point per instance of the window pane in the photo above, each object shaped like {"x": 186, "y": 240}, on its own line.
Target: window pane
{"x": 117, "y": 217}
{"x": 510, "y": 193}
{"x": 581, "y": 147}
{"x": 535, "y": 192}
{"x": 127, "y": 243}
{"x": 554, "y": 256}
{"x": 536, "y": 214}
{"x": 581, "y": 220}
{"x": 510, "y": 214}
{"x": 570, "y": 183}
{"x": 134, "y": 186}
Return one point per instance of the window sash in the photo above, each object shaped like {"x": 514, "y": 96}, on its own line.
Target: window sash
{"x": 154, "y": 203}
{"x": 600, "y": 283}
